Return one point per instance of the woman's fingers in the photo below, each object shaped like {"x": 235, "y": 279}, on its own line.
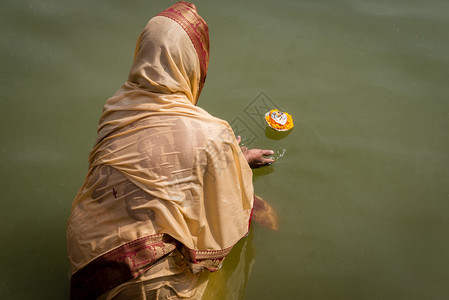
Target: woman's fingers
{"x": 267, "y": 152}
{"x": 255, "y": 157}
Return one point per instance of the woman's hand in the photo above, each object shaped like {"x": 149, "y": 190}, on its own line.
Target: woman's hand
{"x": 255, "y": 157}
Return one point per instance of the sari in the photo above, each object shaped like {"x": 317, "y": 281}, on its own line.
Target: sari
{"x": 168, "y": 191}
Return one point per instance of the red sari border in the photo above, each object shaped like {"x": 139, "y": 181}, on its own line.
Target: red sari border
{"x": 185, "y": 14}
{"x": 209, "y": 259}
{"x": 119, "y": 265}
{"x": 132, "y": 259}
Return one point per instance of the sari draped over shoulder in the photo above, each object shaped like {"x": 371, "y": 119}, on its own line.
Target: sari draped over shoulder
{"x": 168, "y": 192}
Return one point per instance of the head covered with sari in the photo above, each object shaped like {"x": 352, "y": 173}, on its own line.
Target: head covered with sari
{"x": 164, "y": 174}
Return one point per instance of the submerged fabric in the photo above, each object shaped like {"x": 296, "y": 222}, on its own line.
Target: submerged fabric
{"x": 164, "y": 173}
{"x": 171, "y": 278}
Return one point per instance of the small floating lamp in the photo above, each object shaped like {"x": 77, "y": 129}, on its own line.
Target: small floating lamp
{"x": 278, "y": 120}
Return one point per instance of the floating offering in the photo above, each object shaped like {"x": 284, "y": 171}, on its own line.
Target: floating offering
{"x": 278, "y": 120}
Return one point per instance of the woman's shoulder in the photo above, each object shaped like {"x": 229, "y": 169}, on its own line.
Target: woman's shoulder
{"x": 204, "y": 120}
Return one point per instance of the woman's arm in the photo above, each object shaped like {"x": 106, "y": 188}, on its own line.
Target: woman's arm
{"x": 256, "y": 157}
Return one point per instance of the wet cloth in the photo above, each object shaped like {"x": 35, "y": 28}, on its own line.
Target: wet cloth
{"x": 168, "y": 187}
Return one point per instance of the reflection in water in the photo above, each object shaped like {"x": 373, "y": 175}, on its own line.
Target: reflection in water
{"x": 276, "y": 135}
{"x": 230, "y": 281}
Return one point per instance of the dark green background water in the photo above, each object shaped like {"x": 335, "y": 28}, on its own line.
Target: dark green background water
{"x": 362, "y": 187}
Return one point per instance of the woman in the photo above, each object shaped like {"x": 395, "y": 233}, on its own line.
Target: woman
{"x": 168, "y": 192}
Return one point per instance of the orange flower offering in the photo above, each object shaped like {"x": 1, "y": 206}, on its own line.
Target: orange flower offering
{"x": 280, "y": 121}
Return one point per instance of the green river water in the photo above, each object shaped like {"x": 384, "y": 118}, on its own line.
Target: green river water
{"x": 361, "y": 185}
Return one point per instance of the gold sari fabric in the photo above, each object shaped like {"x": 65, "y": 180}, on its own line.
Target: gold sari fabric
{"x": 168, "y": 192}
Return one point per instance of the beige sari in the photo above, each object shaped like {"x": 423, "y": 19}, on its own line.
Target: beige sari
{"x": 168, "y": 192}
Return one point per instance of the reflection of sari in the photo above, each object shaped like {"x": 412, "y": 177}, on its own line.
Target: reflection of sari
{"x": 168, "y": 192}
{"x": 230, "y": 282}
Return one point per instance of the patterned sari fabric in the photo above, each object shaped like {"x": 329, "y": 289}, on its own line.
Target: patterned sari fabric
{"x": 168, "y": 192}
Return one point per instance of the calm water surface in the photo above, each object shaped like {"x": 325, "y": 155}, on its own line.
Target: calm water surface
{"x": 361, "y": 185}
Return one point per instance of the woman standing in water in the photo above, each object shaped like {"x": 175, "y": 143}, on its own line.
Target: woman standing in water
{"x": 169, "y": 191}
